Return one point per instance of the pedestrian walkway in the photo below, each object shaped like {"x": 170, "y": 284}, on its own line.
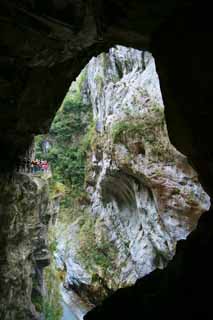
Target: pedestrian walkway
{"x": 39, "y": 166}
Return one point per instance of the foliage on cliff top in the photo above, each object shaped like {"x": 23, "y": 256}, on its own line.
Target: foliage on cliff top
{"x": 122, "y": 128}
{"x": 67, "y": 154}
{"x": 149, "y": 128}
{"x": 152, "y": 117}
{"x": 70, "y": 138}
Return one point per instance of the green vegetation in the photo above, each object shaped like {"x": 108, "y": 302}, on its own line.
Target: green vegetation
{"x": 92, "y": 253}
{"x": 176, "y": 191}
{"x": 191, "y": 197}
{"x": 99, "y": 82}
{"x": 67, "y": 154}
{"x": 50, "y": 304}
{"x": 52, "y": 308}
{"x": 70, "y": 136}
{"x": 88, "y": 139}
{"x": 56, "y": 188}
{"x": 126, "y": 128}
{"x": 149, "y": 128}
{"x": 38, "y": 303}
{"x": 154, "y": 117}
{"x": 53, "y": 246}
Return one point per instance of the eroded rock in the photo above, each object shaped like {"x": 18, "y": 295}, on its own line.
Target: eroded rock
{"x": 144, "y": 194}
{"x": 24, "y": 250}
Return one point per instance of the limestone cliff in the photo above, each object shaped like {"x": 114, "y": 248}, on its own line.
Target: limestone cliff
{"x": 43, "y": 46}
{"x": 144, "y": 196}
{"x": 24, "y": 251}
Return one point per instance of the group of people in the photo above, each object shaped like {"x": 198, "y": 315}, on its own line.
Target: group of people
{"x": 39, "y": 166}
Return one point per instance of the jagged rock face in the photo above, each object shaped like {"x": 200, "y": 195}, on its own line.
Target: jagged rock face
{"x": 169, "y": 288}
{"x": 178, "y": 34}
{"x": 50, "y": 43}
{"x": 24, "y": 253}
{"x": 77, "y": 279}
{"x": 144, "y": 194}
{"x": 143, "y": 186}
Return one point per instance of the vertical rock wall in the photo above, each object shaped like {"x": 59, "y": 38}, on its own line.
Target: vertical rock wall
{"x": 24, "y": 219}
{"x": 144, "y": 194}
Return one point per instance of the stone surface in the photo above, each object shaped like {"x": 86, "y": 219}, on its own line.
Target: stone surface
{"x": 179, "y": 35}
{"x": 24, "y": 252}
{"x": 144, "y": 194}
{"x": 52, "y": 41}
{"x": 163, "y": 291}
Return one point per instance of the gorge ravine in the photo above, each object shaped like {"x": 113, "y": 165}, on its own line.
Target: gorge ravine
{"x": 143, "y": 195}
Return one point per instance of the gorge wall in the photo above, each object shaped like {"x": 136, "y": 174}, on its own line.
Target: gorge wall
{"x": 143, "y": 194}
{"x": 24, "y": 249}
{"x": 44, "y": 45}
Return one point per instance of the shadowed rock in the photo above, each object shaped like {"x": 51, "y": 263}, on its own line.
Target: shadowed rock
{"x": 45, "y": 44}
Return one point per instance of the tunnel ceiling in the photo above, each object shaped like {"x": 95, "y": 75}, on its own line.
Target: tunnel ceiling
{"x": 45, "y": 44}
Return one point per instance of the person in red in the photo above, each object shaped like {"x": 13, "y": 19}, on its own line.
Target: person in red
{"x": 45, "y": 166}
{"x": 40, "y": 165}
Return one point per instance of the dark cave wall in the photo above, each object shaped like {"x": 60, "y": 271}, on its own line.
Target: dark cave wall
{"x": 39, "y": 58}
{"x": 183, "y": 56}
{"x": 24, "y": 219}
{"x": 43, "y": 46}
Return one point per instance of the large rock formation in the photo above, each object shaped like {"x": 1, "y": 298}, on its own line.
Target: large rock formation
{"x": 44, "y": 45}
{"x": 144, "y": 194}
{"x": 24, "y": 252}
{"x": 50, "y": 43}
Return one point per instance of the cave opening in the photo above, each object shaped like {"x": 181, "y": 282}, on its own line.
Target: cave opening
{"x": 43, "y": 48}
{"x": 121, "y": 195}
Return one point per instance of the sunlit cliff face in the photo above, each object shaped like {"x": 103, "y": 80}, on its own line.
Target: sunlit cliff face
{"x": 40, "y": 51}
{"x": 141, "y": 181}
{"x": 144, "y": 196}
